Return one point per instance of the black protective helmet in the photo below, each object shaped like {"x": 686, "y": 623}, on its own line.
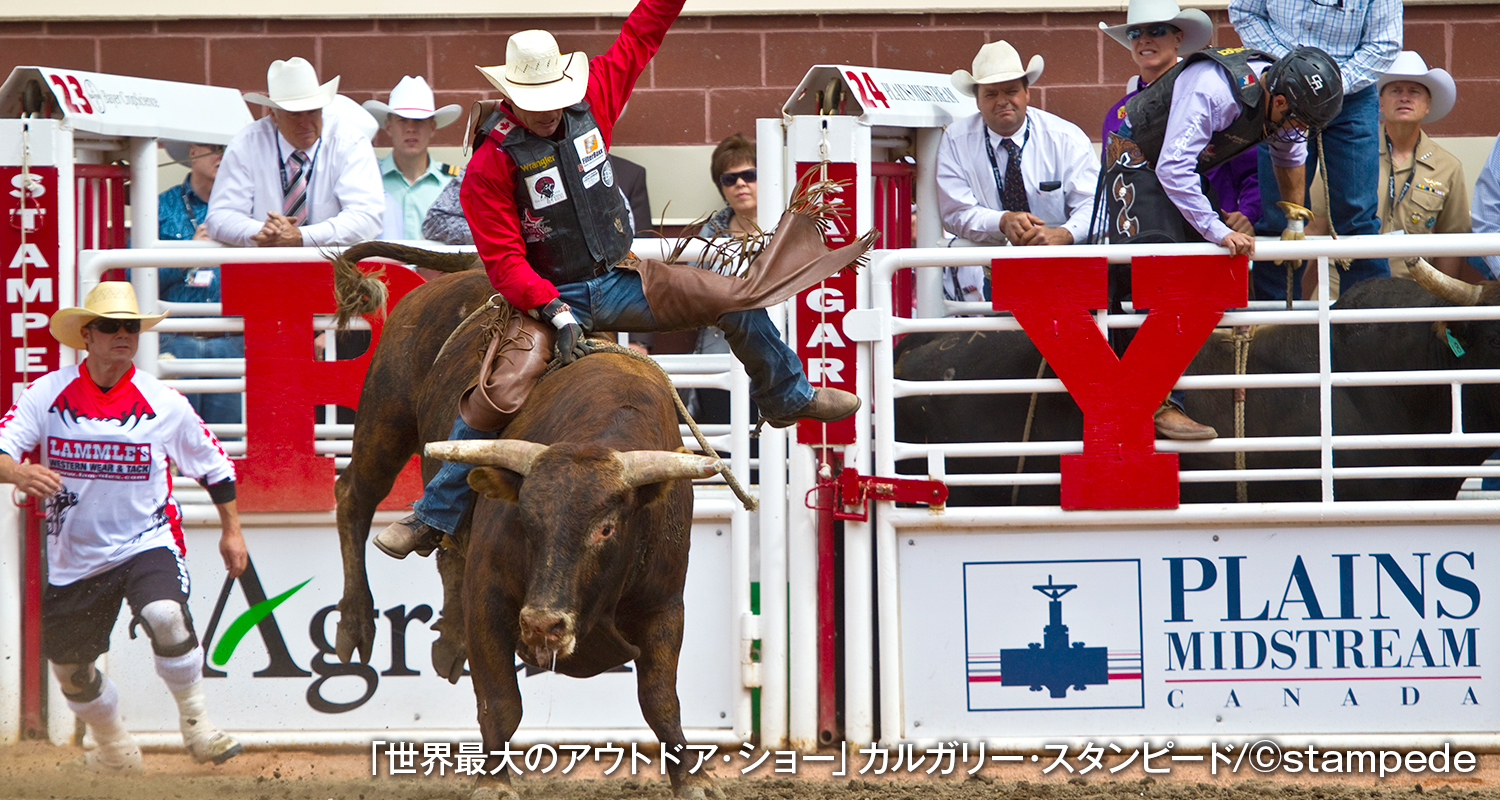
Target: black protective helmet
{"x": 1309, "y": 80}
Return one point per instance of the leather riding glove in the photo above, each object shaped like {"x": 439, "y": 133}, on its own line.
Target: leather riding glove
{"x": 1296, "y": 220}
{"x": 570, "y": 334}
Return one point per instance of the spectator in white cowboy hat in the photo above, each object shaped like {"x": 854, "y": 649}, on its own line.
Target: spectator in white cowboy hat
{"x": 114, "y": 436}
{"x": 1422, "y": 186}
{"x": 1010, "y": 173}
{"x": 299, "y": 177}
{"x": 412, "y": 179}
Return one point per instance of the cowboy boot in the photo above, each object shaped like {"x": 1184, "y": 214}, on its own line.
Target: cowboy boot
{"x": 410, "y": 535}
{"x": 826, "y": 405}
{"x": 204, "y": 741}
{"x": 1172, "y": 423}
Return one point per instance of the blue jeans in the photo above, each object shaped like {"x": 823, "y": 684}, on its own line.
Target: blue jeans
{"x": 213, "y": 408}
{"x": 614, "y": 301}
{"x": 1351, "y": 152}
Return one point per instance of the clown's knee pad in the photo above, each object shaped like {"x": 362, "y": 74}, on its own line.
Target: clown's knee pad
{"x": 169, "y": 626}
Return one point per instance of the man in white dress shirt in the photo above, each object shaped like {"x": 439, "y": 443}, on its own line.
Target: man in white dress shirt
{"x": 1046, "y": 199}
{"x": 297, "y": 177}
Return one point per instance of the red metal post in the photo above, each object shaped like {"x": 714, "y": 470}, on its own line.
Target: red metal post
{"x": 33, "y": 713}
{"x": 828, "y": 622}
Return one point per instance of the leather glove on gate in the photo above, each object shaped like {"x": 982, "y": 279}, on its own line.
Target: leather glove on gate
{"x": 570, "y": 334}
{"x": 1296, "y": 219}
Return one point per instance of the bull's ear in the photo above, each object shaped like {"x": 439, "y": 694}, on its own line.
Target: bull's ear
{"x": 496, "y": 484}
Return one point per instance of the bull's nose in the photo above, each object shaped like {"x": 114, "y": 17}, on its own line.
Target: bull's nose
{"x": 542, "y": 625}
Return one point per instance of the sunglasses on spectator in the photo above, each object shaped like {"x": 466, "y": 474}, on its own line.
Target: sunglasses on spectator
{"x": 114, "y": 325}
{"x": 1155, "y": 30}
{"x": 729, "y": 179}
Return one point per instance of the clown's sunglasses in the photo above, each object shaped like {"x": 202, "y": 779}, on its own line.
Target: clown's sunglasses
{"x": 114, "y": 325}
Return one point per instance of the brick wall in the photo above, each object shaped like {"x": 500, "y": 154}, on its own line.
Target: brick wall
{"x": 713, "y": 76}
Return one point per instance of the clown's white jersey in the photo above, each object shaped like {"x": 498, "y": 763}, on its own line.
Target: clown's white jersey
{"x": 114, "y": 450}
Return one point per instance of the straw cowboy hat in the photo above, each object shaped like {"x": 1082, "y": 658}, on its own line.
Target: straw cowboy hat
{"x": 412, "y": 98}
{"x": 292, "y": 85}
{"x": 111, "y": 300}
{"x": 536, "y": 77}
{"x": 1409, "y": 66}
{"x": 997, "y": 62}
{"x": 1196, "y": 28}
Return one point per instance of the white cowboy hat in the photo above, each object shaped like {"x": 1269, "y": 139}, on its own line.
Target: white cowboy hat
{"x": 535, "y": 76}
{"x": 997, "y": 62}
{"x": 110, "y": 299}
{"x": 178, "y": 151}
{"x": 292, "y": 85}
{"x": 412, "y": 98}
{"x": 348, "y": 112}
{"x": 1196, "y": 28}
{"x": 1409, "y": 66}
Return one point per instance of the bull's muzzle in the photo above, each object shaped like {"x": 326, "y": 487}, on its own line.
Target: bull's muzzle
{"x": 548, "y": 634}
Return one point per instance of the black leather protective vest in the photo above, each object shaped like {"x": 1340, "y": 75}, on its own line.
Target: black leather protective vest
{"x": 1146, "y": 113}
{"x": 573, "y": 218}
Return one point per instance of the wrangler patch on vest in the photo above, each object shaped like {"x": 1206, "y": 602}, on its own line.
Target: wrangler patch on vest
{"x": 545, "y": 161}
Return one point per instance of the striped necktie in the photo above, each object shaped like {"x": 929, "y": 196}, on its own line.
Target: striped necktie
{"x": 296, "y": 189}
{"x": 1014, "y": 198}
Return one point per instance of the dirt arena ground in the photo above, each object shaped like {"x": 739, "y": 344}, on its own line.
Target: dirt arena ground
{"x": 36, "y": 771}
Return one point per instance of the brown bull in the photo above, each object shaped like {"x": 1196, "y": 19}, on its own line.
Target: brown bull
{"x": 578, "y": 548}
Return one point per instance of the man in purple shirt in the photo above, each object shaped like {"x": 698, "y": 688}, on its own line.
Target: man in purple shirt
{"x": 1212, "y": 106}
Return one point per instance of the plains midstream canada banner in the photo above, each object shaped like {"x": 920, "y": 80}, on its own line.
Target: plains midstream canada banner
{"x": 1365, "y": 629}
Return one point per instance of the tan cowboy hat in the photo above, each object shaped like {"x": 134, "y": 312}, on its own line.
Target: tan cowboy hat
{"x": 997, "y": 62}
{"x": 1409, "y": 66}
{"x": 536, "y": 77}
{"x": 412, "y": 98}
{"x": 110, "y": 299}
{"x": 1196, "y": 28}
{"x": 292, "y": 85}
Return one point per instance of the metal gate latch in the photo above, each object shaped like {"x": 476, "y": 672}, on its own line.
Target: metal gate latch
{"x": 854, "y": 491}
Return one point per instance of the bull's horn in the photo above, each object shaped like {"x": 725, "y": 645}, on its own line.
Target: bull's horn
{"x": 641, "y": 467}
{"x": 1455, "y": 291}
{"x": 513, "y": 454}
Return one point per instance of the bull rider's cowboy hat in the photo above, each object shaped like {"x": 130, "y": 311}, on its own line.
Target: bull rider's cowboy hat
{"x": 1196, "y": 28}
{"x": 536, "y": 77}
{"x": 292, "y": 85}
{"x": 1409, "y": 66}
{"x": 110, "y": 300}
{"x": 412, "y": 98}
{"x": 997, "y": 62}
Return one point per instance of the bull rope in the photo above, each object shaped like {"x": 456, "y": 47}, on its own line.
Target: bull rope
{"x": 1015, "y": 491}
{"x": 1242, "y": 337}
{"x": 592, "y": 346}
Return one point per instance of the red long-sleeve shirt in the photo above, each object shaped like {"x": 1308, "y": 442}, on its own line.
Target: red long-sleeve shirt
{"x": 488, "y": 191}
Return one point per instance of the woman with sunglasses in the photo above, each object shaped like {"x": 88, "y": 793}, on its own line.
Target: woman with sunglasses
{"x": 1158, "y": 33}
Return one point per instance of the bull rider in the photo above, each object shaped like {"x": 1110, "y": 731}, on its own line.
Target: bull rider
{"x": 1209, "y": 108}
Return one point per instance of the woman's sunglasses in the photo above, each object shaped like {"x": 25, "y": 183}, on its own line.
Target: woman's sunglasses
{"x": 729, "y": 179}
{"x": 1155, "y": 30}
{"x": 114, "y": 325}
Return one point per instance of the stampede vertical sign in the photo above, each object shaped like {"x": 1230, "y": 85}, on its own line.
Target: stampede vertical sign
{"x": 29, "y": 247}
{"x": 828, "y": 357}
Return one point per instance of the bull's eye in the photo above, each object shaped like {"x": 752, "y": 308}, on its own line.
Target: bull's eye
{"x": 603, "y": 532}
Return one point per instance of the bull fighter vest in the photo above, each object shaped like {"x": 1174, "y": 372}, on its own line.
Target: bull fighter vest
{"x": 1146, "y": 113}
{"x": 573, "y": 218}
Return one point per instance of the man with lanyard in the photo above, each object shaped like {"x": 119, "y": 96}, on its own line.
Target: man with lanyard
{"x": 552, "y": 227}
{"x": 1212, "y": 106}
{"x": 413, "y": 180}
{"x": 110, "y": 437}
{"x": 180, "y": 212}
{"x": 1010, "y": 173}
{"x": 297, "y": 177}
{"x": 1363, "y": 38}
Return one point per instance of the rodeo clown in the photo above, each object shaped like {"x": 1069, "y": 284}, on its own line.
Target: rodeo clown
{"x": 553, "y": 230}
{"x": 1209, "y": 108}
{"x": 108, "y": 434}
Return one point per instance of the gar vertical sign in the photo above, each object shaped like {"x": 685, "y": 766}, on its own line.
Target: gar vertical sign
{"x": 29, "y": 244}
{"x": 828, "y": 356}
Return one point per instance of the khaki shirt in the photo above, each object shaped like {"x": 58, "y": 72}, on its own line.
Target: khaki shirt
{"x": 1436, "y": 202}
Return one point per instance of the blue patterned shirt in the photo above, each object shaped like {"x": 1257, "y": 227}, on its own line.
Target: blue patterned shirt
{"x": 1363, "y": 36}
{"x": 173, "y": 220}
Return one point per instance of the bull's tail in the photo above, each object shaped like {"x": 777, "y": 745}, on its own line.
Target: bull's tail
{"x": 358, "y": 293}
